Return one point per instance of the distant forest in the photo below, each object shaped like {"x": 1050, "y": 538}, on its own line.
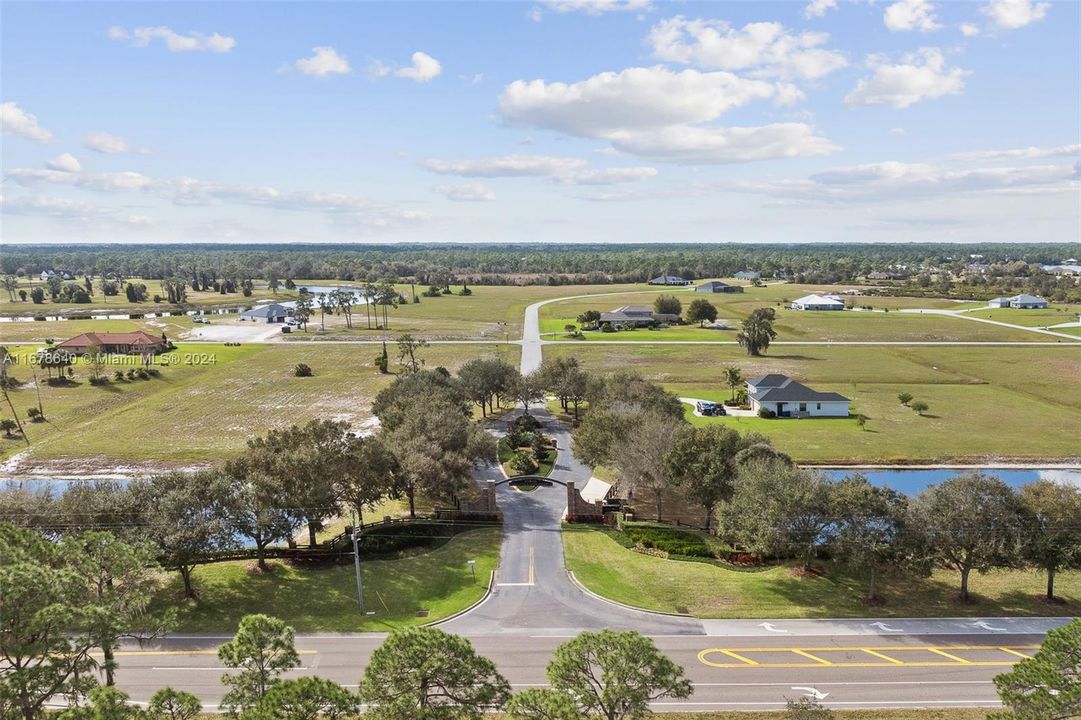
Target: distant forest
{"x": 1015, "y": 265}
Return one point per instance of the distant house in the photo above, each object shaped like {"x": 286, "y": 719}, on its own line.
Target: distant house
{"x": 272, "y": 313}
{"x": 1063, "y": 269}
{"x": 817, "y": 302}
{"x": 785, "y": 397}
{"x": 635, "y": 316}
{"x": 669, "y": 280}
{"x": 716, "y": 286}
{"x": 1024, "y": 301}
{"x": 885, "y": 275}
{"x": 131, "y": 343}
{"x": 747, "y": 275}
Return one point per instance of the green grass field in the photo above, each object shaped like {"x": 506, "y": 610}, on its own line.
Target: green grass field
{"x": 705, "y": 590}
{"x": 324, "y": 599}
{"x": 1031, "y": 318}
{"x": 200, "y": 413}
{"x": 985, "y": 403}
{"x": 790, "y": 324}
{"x": 60, "y": 330}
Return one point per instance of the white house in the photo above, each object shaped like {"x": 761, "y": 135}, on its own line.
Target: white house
{"x": 785, "y": 397}
{"x": 818, "y": 302}
{"x": 1027, "y": 302}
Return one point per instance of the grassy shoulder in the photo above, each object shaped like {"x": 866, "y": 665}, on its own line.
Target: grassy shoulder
{"x": 1022, "y": 403}
{"x": 324, "y": 599}
{"x": 711, "y": 591}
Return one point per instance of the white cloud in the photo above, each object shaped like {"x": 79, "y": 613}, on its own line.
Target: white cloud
{"x": 506, "y": 166}
{"x": 16, "y": 121}
{"x": 65, "y": 162}
{"x": 598, "y": 7}
{"x": 911, "y": 15}
{"x": 71, "y": 211}
{"x": 922, "y": 75}
{"x": 470, "y": 192}
{"x": 1029, "y": 153}
{"x": 324, "y": 61}
{"x": 632, "y": 98}
{"x": 891, "y": 181}
{"x": 607, "y": 176}
{"x": 969, "y": 29}
{"x": 1014, "y": 14}
{"x": 176, "y": 42}
{"x": 424, "y": 67}
{"x": 108, "y": 144}
{"x": 657, "y": 113}
{"x": 766, "y": 48}
{"x": 722, "y": 145}
{"x": 101, "y": 182}
{"x": 818, "y": 8}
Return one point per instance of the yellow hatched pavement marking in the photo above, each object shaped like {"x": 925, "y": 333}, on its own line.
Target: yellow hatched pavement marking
{"x": 874, "y": 651}
{"x": 1014, "y": 652}
{"x": 895, "y": 661}
{"x": 812, "y": 657}
{"x": 944, "y": 654}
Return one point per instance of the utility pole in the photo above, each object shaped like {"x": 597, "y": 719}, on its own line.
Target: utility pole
{"x": 356, "y": 565}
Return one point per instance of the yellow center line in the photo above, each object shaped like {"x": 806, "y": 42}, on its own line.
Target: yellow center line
{"x": 1014, "y": 652}
{"x": 895, "y": 661}
{"x": 945, "y": 654}
{"x": 812, "y": 657}
{"x": 746, "y": 660}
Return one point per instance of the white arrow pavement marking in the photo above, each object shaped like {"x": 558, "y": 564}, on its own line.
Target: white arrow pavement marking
{"x": 811, "y": 692}
{"x": 771, "y": 628}
{"x": 985, "y": 626}
{"x": 885, "y": 628}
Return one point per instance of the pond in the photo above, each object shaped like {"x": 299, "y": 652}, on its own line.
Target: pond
{"x": 912, "y": 481}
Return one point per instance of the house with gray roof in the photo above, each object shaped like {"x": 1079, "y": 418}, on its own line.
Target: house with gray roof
{"x": 635, "y": 316}
{"x": 747, "y": 275}
{"x": 786, "y": 398}
{"x": 716, "y": 286}
{"x": 669, "y": 280}
{"x": 1023, "y": 301}
{"x": 270, "y": 313}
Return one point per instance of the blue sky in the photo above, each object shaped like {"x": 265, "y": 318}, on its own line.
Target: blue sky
{"x": 562, "y": 121}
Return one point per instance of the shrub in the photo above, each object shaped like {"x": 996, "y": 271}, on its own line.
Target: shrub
{"x": 766, "y": 413}
{"x": 302, "y": 370}
{"x": 920, "y": 407}
{"x": 674, "y": 542}
{"x": 118, "y": 375}
{"x": 101, "y": 380}
{"x": 607, "y": 328}
{"x": 523, "y": 463}
{"x": 142, "y": 374}
{"x": 525, "y": 423}
{"x": 35, "y": 415}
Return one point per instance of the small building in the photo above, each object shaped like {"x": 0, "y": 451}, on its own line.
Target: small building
{"x": 1022, "y": 301}
{"x": 635, "y": 316}
{"x": 786, "y": 398}
{"x": 139, "y": 342}
{"x": 885, "y": 275}
{"x": 747, "y": 275}
{"x": 716, "y": 286}
{"x": 271, "y": 313}
{"x": 817, "y": 302}
{"x": 669, "y": 280}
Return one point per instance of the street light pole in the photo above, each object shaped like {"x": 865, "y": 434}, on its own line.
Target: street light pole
{"x": 356, "y": 566}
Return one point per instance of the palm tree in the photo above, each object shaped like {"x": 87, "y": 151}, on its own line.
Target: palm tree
{"x": 733, "y": 378}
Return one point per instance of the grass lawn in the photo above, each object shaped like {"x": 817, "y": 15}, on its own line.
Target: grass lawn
{"x": 791, "y": 324}
{"x": 324, "y": 599}
{"x": 984, "y": 402}
{"x": 200, "y": 413}
{"x": 709, "y": 591}
{"x": 62, "y": 329}
{"x": 1031, "y": 318}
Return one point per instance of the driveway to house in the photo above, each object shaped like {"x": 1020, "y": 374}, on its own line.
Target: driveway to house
{"x": 233, "y": 331}
{"x": 961, "y": 314}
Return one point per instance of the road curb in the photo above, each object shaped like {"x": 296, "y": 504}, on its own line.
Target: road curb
{"x": 578, "y": 584}
{"x": 487, "y": 594}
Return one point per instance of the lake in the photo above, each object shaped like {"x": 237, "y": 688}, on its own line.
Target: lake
{"x": 912, "y": 481}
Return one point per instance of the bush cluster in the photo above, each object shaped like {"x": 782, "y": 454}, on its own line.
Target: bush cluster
{"x": 674, "y": 542}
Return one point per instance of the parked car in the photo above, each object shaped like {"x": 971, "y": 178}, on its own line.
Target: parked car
{"x": 710, "y": 408}
{"x": 200, "y": 320}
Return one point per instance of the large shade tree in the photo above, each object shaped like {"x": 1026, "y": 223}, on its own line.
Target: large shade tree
{"x": 1053, "y": 536}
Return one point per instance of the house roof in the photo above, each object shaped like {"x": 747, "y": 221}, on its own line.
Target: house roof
{"x": 792, "y": 391}
{"x": 139, "y": 337}
{"x": 768, "y": 381}
{"x": 666, "y": 279}
{"x": 634, "y": 309}
{"x": 273, "y": 309}
{"x": 818, "y": 300}
{"x": 1025, "y": 298}
{"x": 713, "y": 285}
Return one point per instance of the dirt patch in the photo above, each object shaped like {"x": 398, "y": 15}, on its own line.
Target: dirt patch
{"x": 811, "y": 573}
